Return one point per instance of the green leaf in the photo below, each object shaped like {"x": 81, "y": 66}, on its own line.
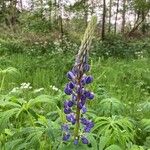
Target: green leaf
{"x": 41, "y": 99}
{"x": 113, "y": 147}
{"x": 103, "y": 142}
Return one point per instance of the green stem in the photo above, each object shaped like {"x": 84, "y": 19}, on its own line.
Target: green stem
{"x": 77, "y": 127}
{"x": 2, "y": 83}
{"x": 76, "y": 131}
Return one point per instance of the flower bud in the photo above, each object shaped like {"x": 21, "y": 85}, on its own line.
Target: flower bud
{"x": 84, "y": 140}
{"x": 89, "y": 79}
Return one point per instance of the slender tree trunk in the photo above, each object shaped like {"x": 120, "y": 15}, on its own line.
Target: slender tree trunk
{"x": 32, "y": 5}
{"x": 42, "y": 9}
{"x": 50, "y": 12}
{"x": 60, "y": 6}
{"x": 92, "y": 8}
{"x": 123, "y": 16}
{"x": 110, "y": 8}
{"x": 85, "y": 12}
{"x": 116, "y": 18}
{"x": 143, "y": 23}
{"x": 138, "y": 23}
{"x": 55, "y": 10}
{"x": 103, "y": 20}
{"x": 21, "y": 5}
{"x": 13, "y": 15}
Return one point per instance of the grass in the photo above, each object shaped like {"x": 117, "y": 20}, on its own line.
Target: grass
{"x": 122, "y": 92}
{"x": 127, "y": 80}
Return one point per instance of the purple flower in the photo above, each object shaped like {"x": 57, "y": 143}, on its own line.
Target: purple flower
{"x": 80, "y": 90}
{"x": 88, "y": 126}
{"x": 83, "y": 99}
{"x": 67, "y": 110}
{"x": 76, "y": 141}
{"x": 87, "y": 129}
{"x": 65, "y": 104}
{"x": 83, "y": 121}
{"x": 89, "y": 95}
{"x": 89, "y": 79}
{"x": 67, "y": 90}
{"x": 80, "y": 105}
{"x": 83, "y": 81}
{"x": 71, "y": 75}
{"x": 71, "y": 118}
{"x": 74, "y": 97}
{"x": 66, "y": 137}
{"x": 86, "y": 67}
{"x": 71, "y": 85}
{"x": 70, "y": 103}
{"x": 65, "y": 127}
{"x": 84, "y": 110}
{"x": 84, "y": 140}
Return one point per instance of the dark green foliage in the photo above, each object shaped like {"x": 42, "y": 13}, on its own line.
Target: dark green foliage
{"x": 116, "y": 46}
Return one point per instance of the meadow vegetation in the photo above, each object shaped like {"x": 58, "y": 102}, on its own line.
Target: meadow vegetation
{"x": 34, "y": 60}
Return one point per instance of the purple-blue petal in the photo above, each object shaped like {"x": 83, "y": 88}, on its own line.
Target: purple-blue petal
{"x": 67, "y": 110}
{"x": 76, "y": 141}
{"x": 66, "y": 137}
{"x": 70, "y": 103}
{"x": 86, "y": 67}
{"x": 65, "y": 127}
{"x": 84, "y": 140}
{"x": 89, "y": 79}
{"x": 71, "y": 85}
{"x": 67, "y": 90}
{"x": 70, "y": 75}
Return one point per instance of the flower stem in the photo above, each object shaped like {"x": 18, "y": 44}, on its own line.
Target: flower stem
{"x": 77, "y": 127}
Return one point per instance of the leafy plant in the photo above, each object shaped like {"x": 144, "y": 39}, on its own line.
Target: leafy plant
{"x": 6, "y": 72}
{"x": 120, "y": 130}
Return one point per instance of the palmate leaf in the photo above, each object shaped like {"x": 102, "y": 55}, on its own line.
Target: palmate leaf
{"x": 119, "y": 129}
{"x": 111, "y": 106}
{"x": 144, "y": 106}
{"x": 136, "y": 147}
{"x": 147, "y": 143}
{"x": 104, "y": 141}
{"x": 33, "y": 136}
{"x": 17, "y": 144}
{"x": 8, "y": 104}
{"x": 5, "y": 116}
{"x": 113, "y": 147}
{"x": 9, "y": 71}
{"x": 41, "y": 99}
{"x": 145, "y": 125}
{"x": 71, "y": 146}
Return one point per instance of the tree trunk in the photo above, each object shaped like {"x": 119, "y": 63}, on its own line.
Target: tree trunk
{"x": 103, "y": 20}
{"x": 50, "y": 13}
{"x": 60, "y": 8}
{"x": 85, "y": 12}
{"x": 110, "y": 8}
{"x": 143, "y": 23}
{"x": 21, "y": 5}
{"x": 55, "y": 10}
{"x": 123, "y": 16}
{"x": 138, "y": 23}
{"x": 116, "y": 18}
{"x": 32, "y": 5}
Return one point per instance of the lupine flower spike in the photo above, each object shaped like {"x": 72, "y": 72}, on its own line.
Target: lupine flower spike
{"x": 75, "y": 107}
